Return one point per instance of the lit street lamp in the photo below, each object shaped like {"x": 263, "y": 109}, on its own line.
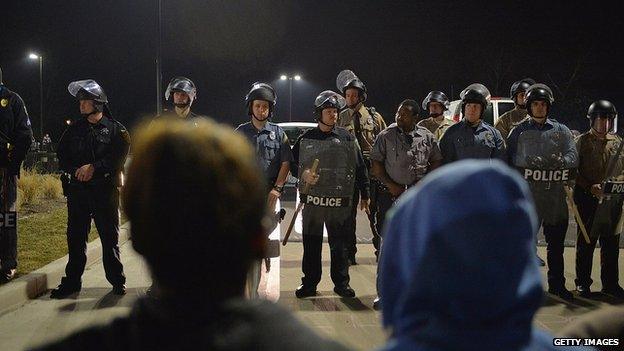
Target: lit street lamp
{"x": 290, "y": 80}
{"x": 34, "y": 56}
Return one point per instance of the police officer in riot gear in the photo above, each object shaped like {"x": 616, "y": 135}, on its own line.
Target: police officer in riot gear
{"x": 510, "y": 119}
{"x": 542, "y": 143}
{"x": 272, "y": 150}
{"x": 402, "y": 155}
{"x": 365, "y": 123}
{"x": 15, "y": 140}
{"x": 182, "y": 93}
{"x": 327, "y": 106}
{"x": 472, "y": 137}
{"x": 599, "y": 212}
{"x": 92, "y": 153}
{"x": 435, "y": 104}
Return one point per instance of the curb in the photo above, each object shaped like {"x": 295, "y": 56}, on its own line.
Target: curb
{"x": 36, "y": 283}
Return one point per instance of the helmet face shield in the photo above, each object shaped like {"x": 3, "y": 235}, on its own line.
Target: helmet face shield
{"x": 329, "y": 99}
{"x": 538, "y": 92}
{"x": 603, "y": 124}
{"x": 603, "y": 116}
{"x": 87, "y": 89}
{"x": 181, "y": 84}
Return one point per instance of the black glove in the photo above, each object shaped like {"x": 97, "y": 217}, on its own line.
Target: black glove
{"x": 535, "y": 162}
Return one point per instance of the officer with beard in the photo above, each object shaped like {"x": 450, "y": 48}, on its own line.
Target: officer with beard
{"x": 365, "y": 123}
{"x": 510, "y": 119}
{"x": 272, "y": 152}
{"x": 472, "y": 137}
{"x": 436, "y": 103}
{"x": 15, "y": 140}
{"x": 327, "y": 106}
{"x": 550, "y": 198}
{"x": 183, "y": 93}
{"x": 597, "y": 150}
{"x": 92, "y": 153}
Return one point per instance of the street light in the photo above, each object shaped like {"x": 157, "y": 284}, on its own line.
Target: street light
{"x": 290, "y": 80}
{"x": 34, "y": 56}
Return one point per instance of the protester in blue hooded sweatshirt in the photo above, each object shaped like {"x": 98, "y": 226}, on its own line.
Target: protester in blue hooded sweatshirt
{"x": 458, "y": 269}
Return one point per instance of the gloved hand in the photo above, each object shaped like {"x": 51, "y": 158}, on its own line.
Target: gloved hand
{"x": 535, "y": 162}
{"x": 557, "y": 161}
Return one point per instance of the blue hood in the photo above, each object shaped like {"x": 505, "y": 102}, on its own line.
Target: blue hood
{"x": 458, "y": 268}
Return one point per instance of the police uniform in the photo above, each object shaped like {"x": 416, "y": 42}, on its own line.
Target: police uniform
{"x": 549, "y": 197}
{"x": 406, "y": 158}
{"x": 461, "y": 141}
{"x": 272, "y": 148}
{"x": 15, "y": 130}
{"x": 594, "y": 154}
{"x": 335, "y": 220}
{"x": 365, "y": 124}
{"x": 105, "y": 145}
{"x": 437, "y": 128}
{"x": 509, "y": 120}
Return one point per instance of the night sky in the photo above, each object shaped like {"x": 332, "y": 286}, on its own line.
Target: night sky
{"x": 400, "y": 49}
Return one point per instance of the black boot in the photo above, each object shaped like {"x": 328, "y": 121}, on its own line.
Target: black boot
{"x": 305, "y": 291}
{"x": 615, "y": 291}
{"x": 119, "y": 289}
{"x": 344, "y": 291}
{"x": 6, "y": 275}
{"x": 65, "y": 289}
{"x": 583, "y": 291}
{"x": 561, "y": 292}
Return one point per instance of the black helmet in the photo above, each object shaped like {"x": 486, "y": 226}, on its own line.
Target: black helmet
{"x": 538, "y": 92}
{"x": 436, "y": 96}
{"x": 475, "y": 93}
{"x": 520, "y": 86}
{"x": 260, "y": 91}
{"x": 328, "y": 99}
{"x": 181, "y": 84}
{"x": 357, "y": 84}
{"x": 87, "y": 89}
{"x": 601, "y": 108}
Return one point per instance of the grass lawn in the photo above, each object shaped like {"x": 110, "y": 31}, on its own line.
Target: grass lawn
{"x": 41, "y": 237}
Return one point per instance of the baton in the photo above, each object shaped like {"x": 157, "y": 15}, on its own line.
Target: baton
{"x": 576, "y": 213}
{"x": 306, "y": 188}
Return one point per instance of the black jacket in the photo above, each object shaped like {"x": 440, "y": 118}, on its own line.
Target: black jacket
{"x": 15, "y": 129}
{"x": 104, "y": 144}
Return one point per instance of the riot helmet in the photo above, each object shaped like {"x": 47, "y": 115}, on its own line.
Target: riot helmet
{"x": 475, "y": 93}
{"x": 518, "y": 87}
{"x": 435, "y": 96}
{"x": 538, "y": 92}
{"x": 88, "y": 89}
{"x": 183, "y": 85}
{"x": 604, "y": 109}
{"x": 260, "y": 91}
{"x": 327, "y": 99}
{"x": 346, "y": 79}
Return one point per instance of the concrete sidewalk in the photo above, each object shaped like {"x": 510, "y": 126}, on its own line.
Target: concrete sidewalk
{"x": 351, "y": 321}
{"x": 34, "y": 284}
